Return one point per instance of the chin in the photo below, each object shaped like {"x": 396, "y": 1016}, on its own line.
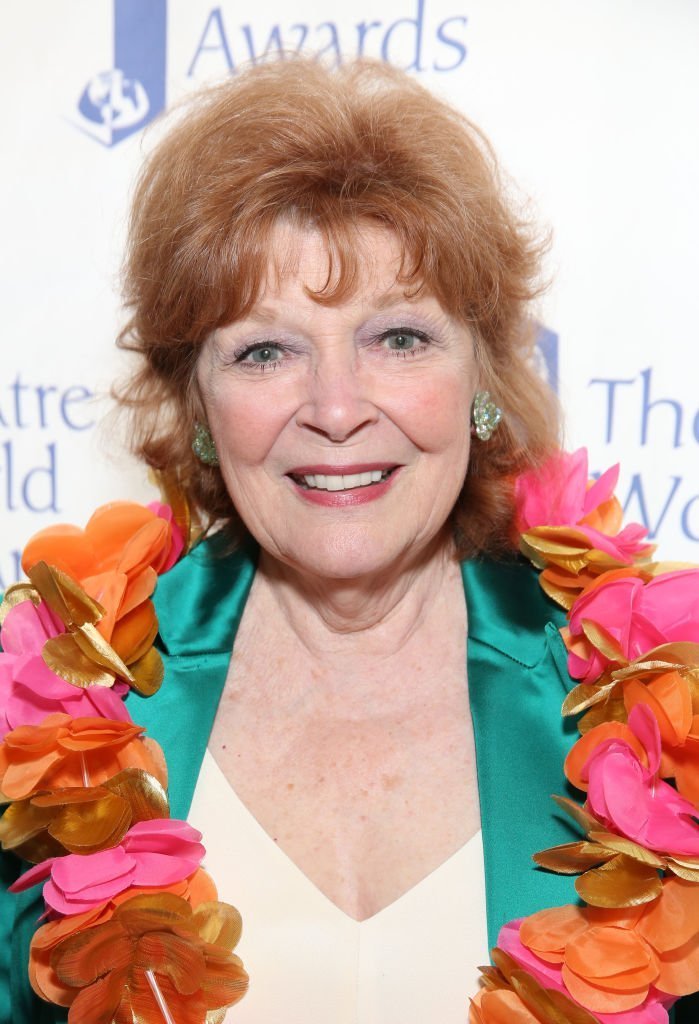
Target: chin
{"x": 345, "y": 555}
{"x": 343, "y": 565}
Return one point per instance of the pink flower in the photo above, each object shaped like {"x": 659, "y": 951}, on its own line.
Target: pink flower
{"x": 176, "y": 538}
{"x": 653, "y": 1010}
{"x": 632, "y": 800}
{"x": 29, "y": 690}
{"x": 153, "y": 853}
{"x": 637, "y": 615}
{"x": 558, "y": 495}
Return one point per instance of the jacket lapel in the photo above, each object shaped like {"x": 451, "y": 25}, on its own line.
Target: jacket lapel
{"x": 199, "y": 603}
{"x": 517, "y": 681}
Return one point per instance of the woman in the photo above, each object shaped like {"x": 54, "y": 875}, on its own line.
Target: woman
{"x": 329, "y": 302}
{"x": 357, "y": 279}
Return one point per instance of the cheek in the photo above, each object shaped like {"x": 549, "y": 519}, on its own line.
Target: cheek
{"x": 244, "y": 428}
{"x": 436, "y": 415}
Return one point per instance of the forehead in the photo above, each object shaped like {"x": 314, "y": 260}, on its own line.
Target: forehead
{"x": 302, "y": 261}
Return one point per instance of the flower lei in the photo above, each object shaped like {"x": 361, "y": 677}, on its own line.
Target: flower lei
{"x": 133, "y": 926}
{"x": 134, "y": 929}
{"x": 632, "y": 948}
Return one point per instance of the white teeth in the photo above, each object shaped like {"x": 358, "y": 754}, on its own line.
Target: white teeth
{"x": 324, "y": 482}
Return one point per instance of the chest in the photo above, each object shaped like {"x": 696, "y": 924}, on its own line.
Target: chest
{"x": 366, "y": 796}
{"x": 516, "y": 683}
{"x": 335, "y": 968}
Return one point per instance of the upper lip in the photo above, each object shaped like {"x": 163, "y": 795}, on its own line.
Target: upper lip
{"x": 355, "y": 467}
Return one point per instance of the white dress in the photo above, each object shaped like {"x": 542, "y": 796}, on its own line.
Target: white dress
{"x": 309, "y": 963}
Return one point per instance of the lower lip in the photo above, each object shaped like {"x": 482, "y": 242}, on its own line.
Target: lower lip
{"x": 343, "y": 499}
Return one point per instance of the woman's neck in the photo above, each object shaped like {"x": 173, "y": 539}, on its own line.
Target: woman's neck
{"x": 368, "y": 617}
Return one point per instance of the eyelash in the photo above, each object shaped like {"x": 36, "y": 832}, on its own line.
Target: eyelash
{"x": 410, "y": 332}
{"x": 242, "y": 354}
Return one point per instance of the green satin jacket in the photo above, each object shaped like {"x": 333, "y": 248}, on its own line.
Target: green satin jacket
{"x": 517, "y": 681}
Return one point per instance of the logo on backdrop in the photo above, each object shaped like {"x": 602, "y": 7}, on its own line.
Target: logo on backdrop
{"x": 638, "y": 411}
{"x": 121, "y": 100}
{"x": 118, "y": 101}
{"x": 38, "y": 424}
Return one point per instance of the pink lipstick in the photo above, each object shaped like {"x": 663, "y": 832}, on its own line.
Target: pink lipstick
{"x": 340, "y": 486}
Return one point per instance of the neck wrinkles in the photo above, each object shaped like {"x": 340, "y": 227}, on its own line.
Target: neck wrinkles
{"x": 372, "y": 616}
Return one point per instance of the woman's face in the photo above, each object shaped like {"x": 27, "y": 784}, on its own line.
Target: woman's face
{"x": 342, "y": 431}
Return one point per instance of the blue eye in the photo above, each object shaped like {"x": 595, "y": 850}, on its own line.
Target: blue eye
{"x": 402, "y": 340}
{"x": 264, "y": 354}
{"x": 261, "y": 355}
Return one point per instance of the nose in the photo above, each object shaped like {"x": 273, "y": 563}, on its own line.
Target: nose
{"x": 337, "y": 403}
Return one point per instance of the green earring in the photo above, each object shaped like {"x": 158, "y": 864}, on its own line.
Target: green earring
{"x": 485, "y": 416}
{"x": 203, "y": 445}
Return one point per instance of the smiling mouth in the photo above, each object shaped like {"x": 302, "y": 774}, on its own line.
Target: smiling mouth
{"x": 344, "y": 482}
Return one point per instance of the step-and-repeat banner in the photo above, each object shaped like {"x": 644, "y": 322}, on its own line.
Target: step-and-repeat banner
{"x": 593, "y": 107}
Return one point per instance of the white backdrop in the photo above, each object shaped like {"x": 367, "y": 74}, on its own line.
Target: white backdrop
{"x": 593, "y": 108}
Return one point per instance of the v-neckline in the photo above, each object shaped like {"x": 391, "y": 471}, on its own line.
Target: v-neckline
{"x": 308, "y": 866}
{"x": 308, "y": 961}
{"x": 213, "y": 777}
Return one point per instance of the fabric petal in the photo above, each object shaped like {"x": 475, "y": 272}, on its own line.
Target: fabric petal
{"x": 576, "y": 763}
{"x": 504, "y": 1007}
{"x": 601, "y": 490}
{"x": 603, "y": 1000}
{"x": 548, "y": 932}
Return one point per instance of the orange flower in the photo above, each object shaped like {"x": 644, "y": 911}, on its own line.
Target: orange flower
{"x": 682, "y": 764}
{"x": 153, "y": 948}
{"x": 671, "y": 927}
{"x": 609, "y": 969}
{"x": 612, "y": 959}
{"x": 548, "y": 932}
{"x": 121, "y": 535}
{"x": 62, "y": 752}
{"x": 670, "y": 699}
{"x": 514, "y": 996}
{"x": 605, "y": 964}
{"x": 503, "y": 1006}
{"x": 116, "y": 559}
{"x": 589, "y": 741}
{"x": 196, "y": 890}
